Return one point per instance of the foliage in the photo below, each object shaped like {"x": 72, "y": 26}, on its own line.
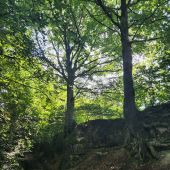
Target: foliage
{"x": 35, "y": 37}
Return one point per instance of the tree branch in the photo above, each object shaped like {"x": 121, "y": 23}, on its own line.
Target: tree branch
{"x": 129, "y": 4}
{"x": 105, "y": 11}
{"x": 144, "y": 20}
{"x": 101, "y": 23}
{"x": 58, "y": 59}
{"x": 146, "y": 40}
{"x": 43, "y": 57}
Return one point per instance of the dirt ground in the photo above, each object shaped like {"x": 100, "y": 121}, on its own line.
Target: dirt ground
{"x": 119, "y": 159}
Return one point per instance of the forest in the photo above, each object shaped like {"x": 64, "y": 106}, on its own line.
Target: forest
{"x": 84, "y": 84}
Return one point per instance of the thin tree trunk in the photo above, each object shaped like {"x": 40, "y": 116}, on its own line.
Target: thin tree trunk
{"x": 129, "y": 93}
{"x": 12, "y": 127}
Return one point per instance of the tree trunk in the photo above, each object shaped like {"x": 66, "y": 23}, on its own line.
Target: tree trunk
{"x": 136, "y": 132}
{"x": 69, "y": 114}
{"x": 129, "y": 94}
{"x": 12, "y": 128}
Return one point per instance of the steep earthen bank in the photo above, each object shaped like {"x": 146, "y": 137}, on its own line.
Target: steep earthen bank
{"x": 101, "y": 145}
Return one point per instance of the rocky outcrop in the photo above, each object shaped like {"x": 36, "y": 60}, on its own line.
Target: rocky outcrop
{"x": 95, "y": 134}
{"x": 101, "y": 133}
{"x": 156, "y": 122}
{"x": 99, "y": 144}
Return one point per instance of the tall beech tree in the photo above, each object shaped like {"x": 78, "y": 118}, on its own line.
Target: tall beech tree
{"x": 72, "y": 47}
{"x": 130, "y": 20}
{"x": 129, "y": 93}
{"x": 135, "y": 22}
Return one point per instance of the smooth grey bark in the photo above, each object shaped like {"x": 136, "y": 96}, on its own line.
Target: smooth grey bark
{"x": 129, "y": 93}
{"x": 69, "y": 113}
{"x": 135, "y": 129}
{"x": 121, "y": 25}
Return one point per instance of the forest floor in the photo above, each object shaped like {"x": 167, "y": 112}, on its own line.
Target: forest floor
{"x": 114, "y": 158}
{"x": 119, "y": 159}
